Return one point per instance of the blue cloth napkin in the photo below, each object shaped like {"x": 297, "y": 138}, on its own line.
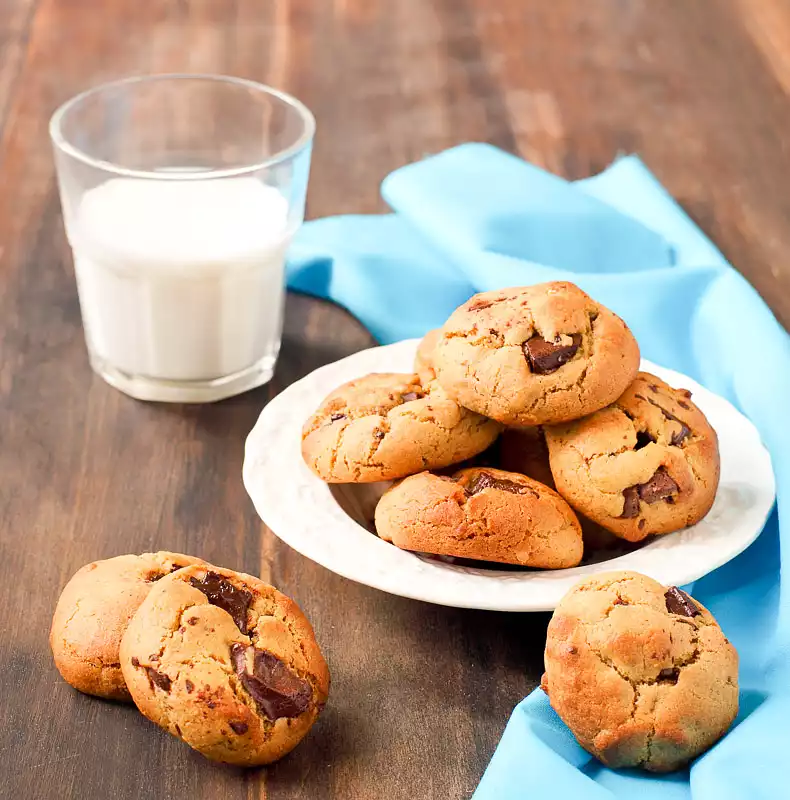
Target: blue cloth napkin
{"x": 474, "y": 218}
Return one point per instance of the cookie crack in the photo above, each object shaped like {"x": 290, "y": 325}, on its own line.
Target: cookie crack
{"x": 577, "y": 384}
{"x": 676, "y": 664}
{"x": 378, "y": 437}
{"x": 336, "y": 449}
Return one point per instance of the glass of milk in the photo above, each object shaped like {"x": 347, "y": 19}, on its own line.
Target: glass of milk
{"x": 180, "y": 194}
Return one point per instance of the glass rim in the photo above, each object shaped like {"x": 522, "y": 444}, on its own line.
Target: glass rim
{"x": 61, "y": 143}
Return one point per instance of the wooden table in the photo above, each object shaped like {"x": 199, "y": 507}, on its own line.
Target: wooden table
{"x": 420, "y": 693}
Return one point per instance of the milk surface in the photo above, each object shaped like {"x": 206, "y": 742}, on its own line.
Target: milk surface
{"x": 181, "y": 280}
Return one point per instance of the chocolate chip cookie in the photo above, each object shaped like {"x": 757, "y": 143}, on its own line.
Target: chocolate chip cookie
{"x": 423, "y": 360}
{"x": 227, "y": 663}
{"x": 533, "y": 355}
{"x": 648, "y": 463}
{"x": 481, "y": 513}
{"x": 641, "y": 673}
{"x": 386, "y": 426}
{"x": 92, "y": 613}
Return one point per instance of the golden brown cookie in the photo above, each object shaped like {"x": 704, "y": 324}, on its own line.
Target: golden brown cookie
{"x": 423, "y": 360}
{"x": 227, "y": 663}
{"x": 536, "y": 354}
{"x": 481, "y": 513}
{"x": 92, "y": 613}
{"x": 386, "y": 426}
{"x": 648, "y": 463}
{"x": 641, "y": 673}
{"x": 524, "y": 450}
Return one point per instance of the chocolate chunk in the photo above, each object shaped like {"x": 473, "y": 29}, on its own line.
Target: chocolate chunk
{"x": 336, "y": 417}
{"x": 239, "y": 727}
{"x": 157, "y": 576}
{"x": 189, "y": 686}
{"x": 678, "y": 602}
{"x": 485, "y": 480}
{"x": 223, "y": 594}
{"x": 545, "y": 357}
{"x": 277, "y": 691}
{"x": 678, "y": 436}
{"x": 409, "y": 396}
{"x": 641, "y": 524}
{"x": 643, "y": 439}
{"x": 685, "y": 393}
{"x": 652, "y": 387}
{"x": 158, "y": 678}
{"x": 630, "y": 503}
{"x": 135, "y": 661}
{"x": 683, "y": 404}
{"x": 669, "y": 675}
{"x": 193, "y": 620}
{"x": 659, "y": 487}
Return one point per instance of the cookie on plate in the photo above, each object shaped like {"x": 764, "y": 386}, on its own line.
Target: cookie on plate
{"x": 641, "y": 673}
{"x": 648, "y": 463}
{"x": 536, "y": 354}
{"x": 524, "y": 450}
{"x": 386, "y": 426}
{"x": 92, "y": 613}
{"x": 484, "y": 514}
{"x": 227, "y": 663}
{"x": 423, "y": 360}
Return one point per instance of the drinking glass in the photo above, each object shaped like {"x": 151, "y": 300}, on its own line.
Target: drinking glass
{"x": 180, "y": 194}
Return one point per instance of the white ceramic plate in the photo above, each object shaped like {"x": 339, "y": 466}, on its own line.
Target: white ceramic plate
{"x": 331, "y": 524}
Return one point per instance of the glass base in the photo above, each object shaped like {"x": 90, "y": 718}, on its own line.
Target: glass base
{"x": 163, "y": 391}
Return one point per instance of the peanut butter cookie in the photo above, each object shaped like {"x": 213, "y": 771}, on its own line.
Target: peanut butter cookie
{"x": 648, "y": 463}
{"x": 423, "y": 360}
{"x": 641, "y": 673}
{"x": 227, "y": 663}
{"x": 481, "y": 513}
{"x": 92, "y": 613}
{"x": 536, "y": 354}
{"x": 386, "y": 426}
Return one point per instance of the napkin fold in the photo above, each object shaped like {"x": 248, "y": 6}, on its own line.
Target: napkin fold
{"x": 475, "y": 218}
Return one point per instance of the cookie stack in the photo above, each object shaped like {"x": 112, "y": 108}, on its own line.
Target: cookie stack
{"x": 534, "y": 395}
{"x": 218, "y": 658}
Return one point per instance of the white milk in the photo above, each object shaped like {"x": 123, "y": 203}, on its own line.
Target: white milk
{"x": 181, "y": 280}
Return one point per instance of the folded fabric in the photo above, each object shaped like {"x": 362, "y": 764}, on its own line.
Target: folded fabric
{"x": 474, "y": 218}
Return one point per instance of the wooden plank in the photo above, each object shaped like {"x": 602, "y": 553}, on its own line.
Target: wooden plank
{"x": 420, "y": 693}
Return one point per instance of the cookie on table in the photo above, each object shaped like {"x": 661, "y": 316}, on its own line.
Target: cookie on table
{"x": 226, "y": 663}
{"x": 386, "y": 426}
{"x": 536, "y": 354}
{"x": 648, "y": 463}
{"x": 484, "y": 514}
{"x": 423, "y": 360}
{"x": 641, "y": 673}
{"x": 92, "y": 613}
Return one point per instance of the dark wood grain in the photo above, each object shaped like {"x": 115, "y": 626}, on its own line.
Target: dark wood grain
{"x": 420, "y": 693}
